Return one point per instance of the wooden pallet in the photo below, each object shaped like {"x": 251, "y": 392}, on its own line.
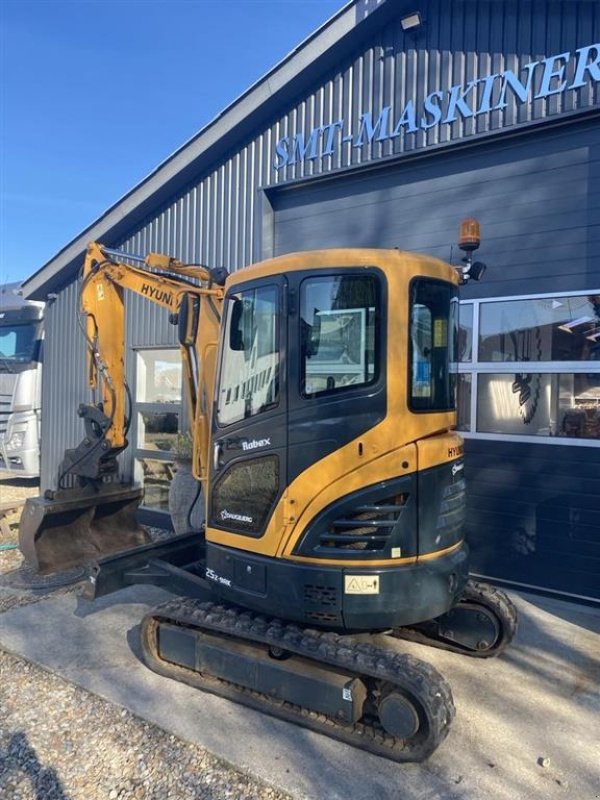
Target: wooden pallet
{"x": 8, "y": 509}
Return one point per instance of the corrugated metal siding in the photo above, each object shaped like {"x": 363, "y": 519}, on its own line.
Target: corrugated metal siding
{"x": 459, "y": 42}
{"x": 64, "y": 384}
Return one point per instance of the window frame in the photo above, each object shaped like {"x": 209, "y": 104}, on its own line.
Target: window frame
{"x": 475, "y": 367}
{"x": 138, "y": 406}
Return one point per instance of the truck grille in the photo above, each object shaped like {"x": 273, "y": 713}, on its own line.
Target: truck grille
{"x": 5, "y": 404}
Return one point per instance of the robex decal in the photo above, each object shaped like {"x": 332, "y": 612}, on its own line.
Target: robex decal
{"x": 255, "y": 443}
{"x": 443, "y": 107}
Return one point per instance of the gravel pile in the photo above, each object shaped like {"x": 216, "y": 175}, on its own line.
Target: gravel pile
{"x": 59, "y": 742}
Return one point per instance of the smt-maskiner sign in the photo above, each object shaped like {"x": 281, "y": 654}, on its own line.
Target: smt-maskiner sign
{"x": 477, "y": 97}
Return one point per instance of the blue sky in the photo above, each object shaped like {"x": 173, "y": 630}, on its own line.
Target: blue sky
{"x": 95, "y": 93}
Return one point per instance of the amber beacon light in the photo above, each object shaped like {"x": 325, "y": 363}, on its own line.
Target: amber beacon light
{"x": 469, "y": 240}
{"x": 470, "y": 237}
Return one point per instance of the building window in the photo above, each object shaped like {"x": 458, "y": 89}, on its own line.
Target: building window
{"x": 157, "y": 420}
{"x": 535, "y": 369}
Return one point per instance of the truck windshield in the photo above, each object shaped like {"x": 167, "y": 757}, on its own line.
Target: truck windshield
{"x": 433, "y": 345}
{"x": 249, "y": 382}
{"x": 19, "y": 345}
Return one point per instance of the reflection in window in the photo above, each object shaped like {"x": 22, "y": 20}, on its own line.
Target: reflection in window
{"x": 157, "y": 430}
{"x": 158, "y": 376}
{"x": 543, "y": 329}
{"x": 249, "y": 380}
{"x": 539, "y": 404}
{"x": 464, "y": 402}
{"x": 19, "y": 344}
{"x": 155, "y": 477}
{"x": 465, "y": 332}
{"x": 338, "y": 322}
{"x": 433, "y": 341}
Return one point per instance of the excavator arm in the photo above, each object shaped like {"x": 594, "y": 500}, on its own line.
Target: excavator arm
{"x": 91, "y": 513}
{"x": 193, "y": 296}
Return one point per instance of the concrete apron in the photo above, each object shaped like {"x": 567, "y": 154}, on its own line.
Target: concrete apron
{"x": 538, "y": 701}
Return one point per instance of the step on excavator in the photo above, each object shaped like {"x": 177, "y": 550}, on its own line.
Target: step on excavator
{"x": 321, "y": 394}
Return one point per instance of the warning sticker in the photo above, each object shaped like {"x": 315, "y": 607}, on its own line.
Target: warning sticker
{"x": 361, "y": 584}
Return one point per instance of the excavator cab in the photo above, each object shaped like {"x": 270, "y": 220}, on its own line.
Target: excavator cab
{"x": 336, "y": 492}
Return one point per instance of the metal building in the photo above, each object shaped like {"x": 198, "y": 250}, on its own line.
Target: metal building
{"x": 385, "y": 128}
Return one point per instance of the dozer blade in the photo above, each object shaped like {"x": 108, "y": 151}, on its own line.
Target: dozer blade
{"x": 75, "y": 527}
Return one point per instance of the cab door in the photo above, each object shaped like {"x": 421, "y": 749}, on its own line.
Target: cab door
{"x": 249, "y": 424}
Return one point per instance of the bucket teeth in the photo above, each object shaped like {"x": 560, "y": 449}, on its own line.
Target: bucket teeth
{"x": 78, "y": 526}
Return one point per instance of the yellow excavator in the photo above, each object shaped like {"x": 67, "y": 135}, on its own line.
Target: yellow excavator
{"x": 321, "y": 390}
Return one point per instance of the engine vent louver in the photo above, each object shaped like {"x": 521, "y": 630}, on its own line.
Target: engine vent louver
{"x": 323, "y": 595}
{"x": 367, "y": 528}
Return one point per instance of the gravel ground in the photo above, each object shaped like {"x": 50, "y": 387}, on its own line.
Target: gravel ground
{"x": 60, "y": 742}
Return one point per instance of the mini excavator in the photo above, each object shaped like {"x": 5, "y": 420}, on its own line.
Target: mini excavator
{"x": 321, "y": 394}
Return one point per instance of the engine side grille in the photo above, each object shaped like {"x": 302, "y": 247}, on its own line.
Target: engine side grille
{"x": 368, "y": 528}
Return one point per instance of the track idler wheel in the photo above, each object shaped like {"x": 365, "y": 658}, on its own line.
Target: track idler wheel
{"x": 397, "y": 714}
{"x": 482, "y": 624}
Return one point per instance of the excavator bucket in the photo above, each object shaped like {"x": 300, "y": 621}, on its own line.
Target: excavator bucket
{"x": 76, "y": 527}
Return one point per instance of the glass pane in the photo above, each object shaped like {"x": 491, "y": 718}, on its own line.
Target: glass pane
{"x": 548, "y": 329}
{"x": 464, "y": 402}
{"x": 158, "y": 376}
{"x": 338, "y": 324}
{"x": 433, "y": 341}
{"x": 465, "y": 332}
{"x": 243, "y": 497}
{"x": 18, "y": 344}
{"x": 157, "y": 430}
{"x": 155, "y": 477}
{"x": 249, "y": 380}
{"x": 540, "y": 404}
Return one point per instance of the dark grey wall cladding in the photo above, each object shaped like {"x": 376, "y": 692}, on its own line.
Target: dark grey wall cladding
{"x": 534, "y": 514}
{"x": 536, "y": 195}
{"x": 64, "y": 384}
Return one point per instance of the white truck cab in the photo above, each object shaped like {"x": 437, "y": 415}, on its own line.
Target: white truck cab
{"x": 21, "y": 344}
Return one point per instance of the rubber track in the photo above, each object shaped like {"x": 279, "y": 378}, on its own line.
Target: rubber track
{"x": 476, "y": 593}
{"x": 363, "y": 659}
